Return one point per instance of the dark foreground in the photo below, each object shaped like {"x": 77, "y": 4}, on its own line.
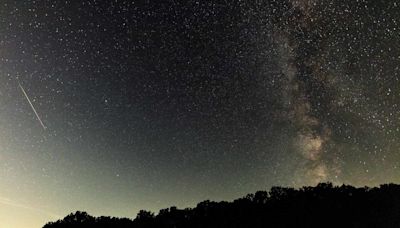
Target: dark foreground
{"x": 320, "y": 206}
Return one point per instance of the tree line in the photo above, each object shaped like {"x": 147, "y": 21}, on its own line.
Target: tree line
{"x": 324, "y": 205}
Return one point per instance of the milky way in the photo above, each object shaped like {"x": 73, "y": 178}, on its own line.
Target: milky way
{"x": 316, "y": 90}
{"x": 147, "y": 105}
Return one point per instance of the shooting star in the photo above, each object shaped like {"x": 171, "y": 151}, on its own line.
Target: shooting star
{"x": 33, "y": 108}
{"x": 9, "y": 202}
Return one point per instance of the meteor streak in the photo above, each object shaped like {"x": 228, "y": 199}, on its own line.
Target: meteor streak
{"x": 33, "y": 108}
{"x": 9, "y": 202}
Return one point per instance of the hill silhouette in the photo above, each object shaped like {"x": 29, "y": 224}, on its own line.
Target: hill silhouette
{"x": 322, "y": 206}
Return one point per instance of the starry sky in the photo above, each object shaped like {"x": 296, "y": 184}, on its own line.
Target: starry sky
{"x": 115, "y": 106}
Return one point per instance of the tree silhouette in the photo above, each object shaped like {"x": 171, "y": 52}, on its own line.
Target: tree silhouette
{"x": 322, "y": 206}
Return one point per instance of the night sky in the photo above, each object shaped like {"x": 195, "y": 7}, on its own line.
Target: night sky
{"x": 115, "y": 106}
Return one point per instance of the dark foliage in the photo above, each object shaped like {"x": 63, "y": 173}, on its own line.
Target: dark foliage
{"x": 322, "y": 206}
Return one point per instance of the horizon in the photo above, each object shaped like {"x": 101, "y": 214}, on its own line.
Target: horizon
{"x": 111, "y": 107}
{"x": 336, "y": 202}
